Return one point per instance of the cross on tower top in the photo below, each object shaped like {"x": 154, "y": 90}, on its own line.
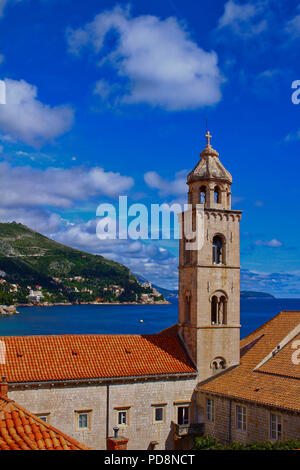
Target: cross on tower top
{"x": 208, "y": 136}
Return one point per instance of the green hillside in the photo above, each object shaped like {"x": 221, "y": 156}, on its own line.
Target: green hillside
{"x": 256, "y": 295}
{"x": 29, "y": 259}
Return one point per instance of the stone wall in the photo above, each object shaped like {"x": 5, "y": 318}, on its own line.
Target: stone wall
{"x": 257, "y": 420}
{"x": 62, "y": 403}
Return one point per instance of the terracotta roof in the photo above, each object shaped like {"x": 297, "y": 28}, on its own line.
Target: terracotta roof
{"x": 170, "y": 331}
{"x": 281, "y": 363}
{"x": 22, "y": 430}
{"x": 67, "y": 357}
{"x": 276, "y": 381}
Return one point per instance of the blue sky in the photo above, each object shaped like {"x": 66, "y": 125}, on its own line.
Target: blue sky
{"x": 107, "y": 98}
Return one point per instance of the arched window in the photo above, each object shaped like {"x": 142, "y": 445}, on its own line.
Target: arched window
{"x": 222, "y": 311}
{"x": 187, "y": 253}
{"x": 218, "y": 364}
{"x": 202, "y": 195}
{"x": 187, "y": 307}
{"x": 214, "y": 310}
{"x": 218, "y": 250}
{"x": 219, "y": 309}
{"x": 217, "y": 195}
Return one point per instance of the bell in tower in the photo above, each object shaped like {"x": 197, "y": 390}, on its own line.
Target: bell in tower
{"x": 209, "y": 275}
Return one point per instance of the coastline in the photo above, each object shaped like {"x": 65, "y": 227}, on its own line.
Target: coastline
{"x": 58, "y": 304}
{"x": 7, "y": 310}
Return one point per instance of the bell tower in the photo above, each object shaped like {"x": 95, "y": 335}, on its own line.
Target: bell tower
{"x": 209, "y": 274}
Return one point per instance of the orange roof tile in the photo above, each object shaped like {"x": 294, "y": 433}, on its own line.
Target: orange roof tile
{"x": 275, "y": 382}
{"x": 71, "y": 357}
{"x": 170, "y": 331}
{"x": 22, "y": 430}
{"x": 282, "y": 364}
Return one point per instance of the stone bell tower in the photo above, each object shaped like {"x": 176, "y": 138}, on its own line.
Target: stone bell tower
{"x": 209, "y": 274}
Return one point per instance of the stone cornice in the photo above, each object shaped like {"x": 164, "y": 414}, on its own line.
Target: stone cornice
{"x": 209, "y": 326}
{"x": 217, "y": 266}
{"x": 99, "y": 381}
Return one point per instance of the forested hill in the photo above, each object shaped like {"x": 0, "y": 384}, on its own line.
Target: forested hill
{"x": 32, "y": 263}
{"x": 256, "y": 295}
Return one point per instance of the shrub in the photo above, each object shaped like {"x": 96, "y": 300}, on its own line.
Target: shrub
{"x": 210, "y": 443}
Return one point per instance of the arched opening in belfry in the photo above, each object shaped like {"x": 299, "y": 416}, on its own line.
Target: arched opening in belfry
{"x": 228, "y": 200}
{"x": 219, "y": 309}
{"x": 217, "y": 195}
{"x": 202, "y": 195}
{"x": 187, "y": 307}
{"x": 218, "y": 250}
{"x": 214, "y": 310}
{"x": 187, "y": 252}
{"x": 222, "y": 313}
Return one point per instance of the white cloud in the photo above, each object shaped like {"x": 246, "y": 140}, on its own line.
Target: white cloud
{"x": 236, "y": 200}
{"x": 150, "y": 261}
{"x": 2, "y": 6}
{"x": 35, "y": 218}
{"x": 4, "y": 3}
{"x": 26, "y": 118}
{"x": 274, "y": 243}
{"x": 27, "y": 187}
{"x": 259, "y": 203}
{"x": 247, "y": 19}
{"x": 292, "y": 27}
{"x": 159, "y": 61}
{"x": 279, "y": 284}
{"x": 177, "y": 187}
{"x": 293, "y": 136}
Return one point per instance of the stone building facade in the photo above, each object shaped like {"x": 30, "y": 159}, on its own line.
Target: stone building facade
{"x": 104, "y": 403}
{"x": 228, "y": 424}
{"x": 193, "y": 378}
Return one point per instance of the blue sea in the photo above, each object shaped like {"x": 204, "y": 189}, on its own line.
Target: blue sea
{"x": 125, "y": 319}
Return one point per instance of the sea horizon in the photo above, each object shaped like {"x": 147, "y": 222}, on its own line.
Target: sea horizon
{"x": 125, "y": 319}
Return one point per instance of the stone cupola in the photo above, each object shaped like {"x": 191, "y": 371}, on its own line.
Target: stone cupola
{"x": 209, "y": 182}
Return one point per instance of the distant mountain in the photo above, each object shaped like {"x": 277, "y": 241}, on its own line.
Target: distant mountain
{"x": 54, "y": 272}
{"x": 167, "y": 293}
{"x": 256, "y": 295}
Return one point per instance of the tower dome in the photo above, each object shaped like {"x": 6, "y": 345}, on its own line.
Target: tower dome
{"x": 209, "y": 182}
{"x": 209, "y": 167}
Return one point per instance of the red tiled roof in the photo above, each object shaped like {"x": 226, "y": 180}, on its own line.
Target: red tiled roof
{"x": 67, "y": 357}
{"x": 282, "y": 363}
{"x": 22, "y": 430}
{"x": 276, "y": 381}
{"x": 170, "y": 331}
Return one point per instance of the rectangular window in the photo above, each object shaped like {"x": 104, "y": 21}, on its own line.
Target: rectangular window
{"x": 44, "y": 417}
{"x": 241, "y": 413}
{"x": 210, "y": 410}
{"x": 183, "y": 415}
{"x": 159, "y": 414}
{"x": 122, "y": 418}
{"x": 276, "y": 427}
{"x": 83, "y": 420}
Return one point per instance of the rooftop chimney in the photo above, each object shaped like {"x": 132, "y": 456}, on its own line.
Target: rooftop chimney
{"x": 3, "y": 388}
{"x": 117, "y": 442}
